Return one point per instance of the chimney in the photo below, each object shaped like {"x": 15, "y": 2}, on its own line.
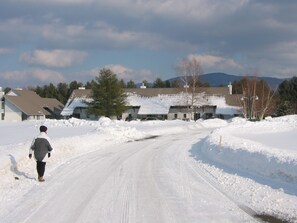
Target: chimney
{"x": 230, "y": 88}
{"x": 142, "y": 86}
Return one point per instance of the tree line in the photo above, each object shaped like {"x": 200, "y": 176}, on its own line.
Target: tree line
{"x": 62, "y": 90}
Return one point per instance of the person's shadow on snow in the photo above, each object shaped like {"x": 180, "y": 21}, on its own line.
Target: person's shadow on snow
{"x": 15, "y": 170}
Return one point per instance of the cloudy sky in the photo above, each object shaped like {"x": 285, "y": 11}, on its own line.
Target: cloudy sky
{"x": 54, "y": 41}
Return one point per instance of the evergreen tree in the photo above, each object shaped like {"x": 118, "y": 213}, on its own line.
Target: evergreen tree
{"x": 39, "y": 91}
{"x": 89, "y": 84}
{"x": 131, "y": 84}
{"x": 159, "y": 83}
{"x": 74, "y": 85}
{"x": 50, "y": 91}
{"x": 285, "y": 108}
{"x": 122, "y": 83}
{"x": 288, "y": 93}
{"x": 62, "y": 93}
{"x": 109, "y": 98}
{"x": 167, "y": 84}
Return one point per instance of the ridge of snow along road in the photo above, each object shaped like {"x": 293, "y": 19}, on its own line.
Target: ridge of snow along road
{"x": 266, "y": 148}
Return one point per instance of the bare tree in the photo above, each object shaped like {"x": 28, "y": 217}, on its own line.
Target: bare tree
{"x": 266, "y": 100}
{"x": 188, "y": 70}
{"x": 258, "y": 98}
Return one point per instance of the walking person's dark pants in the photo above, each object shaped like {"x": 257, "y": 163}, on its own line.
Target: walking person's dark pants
{"x": 40, "y": 168}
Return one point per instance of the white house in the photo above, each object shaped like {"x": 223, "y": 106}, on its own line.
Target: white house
{"x": 22, "y": 105}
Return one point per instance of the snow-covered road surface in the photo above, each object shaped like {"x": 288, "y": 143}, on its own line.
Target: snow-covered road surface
{"x": 153, "y": 180}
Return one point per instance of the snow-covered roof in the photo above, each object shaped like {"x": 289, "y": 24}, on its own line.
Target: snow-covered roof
{"x": 159, "y": 104}
{"x": 74, "y": 103}
{"x": 222, "y": 107}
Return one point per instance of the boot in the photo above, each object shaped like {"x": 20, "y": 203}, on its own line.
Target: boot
{"x": 40, "y": 179}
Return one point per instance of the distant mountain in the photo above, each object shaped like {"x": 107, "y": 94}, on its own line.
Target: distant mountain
{"x": 219, "y": 79}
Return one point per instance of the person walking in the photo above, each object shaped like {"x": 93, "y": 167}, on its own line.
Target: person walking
{"x": 41, "y": 148}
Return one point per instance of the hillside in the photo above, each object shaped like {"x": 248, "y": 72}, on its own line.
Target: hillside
{"x": 217, "y": 79}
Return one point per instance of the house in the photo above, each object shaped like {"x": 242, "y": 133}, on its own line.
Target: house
{"x": 168, "y": 106}
{"x": 163, "y": 103}
{"x": 22, "y": 105}
{"x": 76, "y": 106}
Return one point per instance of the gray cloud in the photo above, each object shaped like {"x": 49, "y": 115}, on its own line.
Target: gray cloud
{"x": 30, "y": 77}
{"x": 240, "y": 35}
{"x": 54, "y": 58}
{"x": 6, "y": 50}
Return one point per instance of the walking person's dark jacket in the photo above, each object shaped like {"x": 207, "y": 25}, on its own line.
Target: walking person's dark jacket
{"x": 41, "y": 147}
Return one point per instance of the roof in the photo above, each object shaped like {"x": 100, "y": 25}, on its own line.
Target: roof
{"x": 32, "y": 104}
{"x": 81, "y": 93}
{"x": 152, "y": 92}
{"x": 161, "y": 98}
{"x": 52, "y": 104}
{"x": 161, "y": 103}
{"x": 234, "y": 100}
{"x": 77, "y": 99}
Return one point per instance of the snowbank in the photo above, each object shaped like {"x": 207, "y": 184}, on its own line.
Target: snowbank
{"x": 266, "y": 149}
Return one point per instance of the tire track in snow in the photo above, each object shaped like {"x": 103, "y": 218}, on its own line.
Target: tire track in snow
{"x": 125, "y": 204}
{"x": 182, "y": 160}
{"x": 207, "y": 178}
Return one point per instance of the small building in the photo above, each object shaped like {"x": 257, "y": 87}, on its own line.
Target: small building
{"x": 20, "y": 105}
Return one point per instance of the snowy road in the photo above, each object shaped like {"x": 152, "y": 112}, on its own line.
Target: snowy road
{"x": 153, "y": 180}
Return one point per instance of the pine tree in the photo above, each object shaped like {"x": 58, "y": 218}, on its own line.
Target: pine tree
{"x": 285, "y": 108}
{"x": 109, "y": 98}
{"x": 288, "y": 94}
{"x": 159, "y": 83}
{"x": 62, "y": 92}
{"x": 131, "y": 84}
